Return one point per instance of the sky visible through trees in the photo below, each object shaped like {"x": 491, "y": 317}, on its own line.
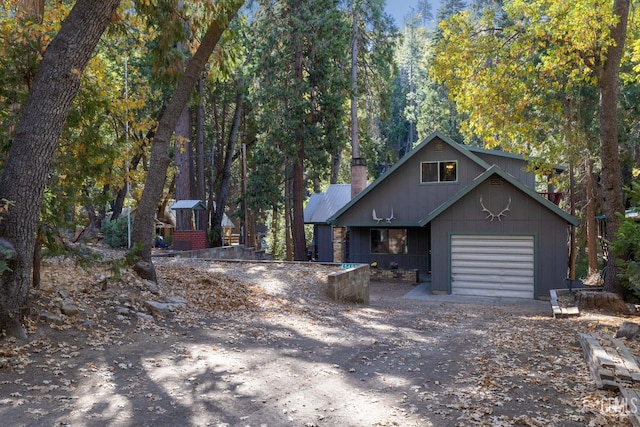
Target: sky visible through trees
{"x": 398, "y": 9}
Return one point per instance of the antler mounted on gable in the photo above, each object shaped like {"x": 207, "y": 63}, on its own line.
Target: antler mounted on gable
{"x": 491, "y": 214}
{"x": 391, "y": 217}
{"x": 375, "y": 217}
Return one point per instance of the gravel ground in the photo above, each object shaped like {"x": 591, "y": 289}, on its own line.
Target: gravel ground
{"x": 259, "y": 344}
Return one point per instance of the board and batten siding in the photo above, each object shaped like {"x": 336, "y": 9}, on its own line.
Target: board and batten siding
{"x": 493, "y": 266}
{"x": 526, "y": 217}
{"x": 403, "y": 192}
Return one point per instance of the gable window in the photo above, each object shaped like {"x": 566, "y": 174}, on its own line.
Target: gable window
{"x": 439, "y": 171}
{"x": 388, "y": 240}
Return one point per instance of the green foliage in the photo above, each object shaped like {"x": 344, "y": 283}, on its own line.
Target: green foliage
{"x": 215, "y": 233}
{"x": 116, "y": 232}
{"x": 117, "y": 266}
{"x": 626, "y": 246}
{"x": 297, "y": 111}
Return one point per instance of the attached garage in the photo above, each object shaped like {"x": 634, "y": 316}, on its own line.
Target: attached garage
{"x": 493, "y": 266}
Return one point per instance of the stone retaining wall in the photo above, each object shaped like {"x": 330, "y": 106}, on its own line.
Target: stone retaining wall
{"x": 395, "y": 274}
{"x": 236, "y": 252}
{"x": 350, "y": 285}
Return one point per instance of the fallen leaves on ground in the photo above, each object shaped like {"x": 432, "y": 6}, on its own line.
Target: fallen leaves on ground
{"x": 511, "y": 369}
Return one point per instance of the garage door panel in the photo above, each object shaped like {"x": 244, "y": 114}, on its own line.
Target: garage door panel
{"x": 470, "y": 268}
{"x": 490, "y": 261}
{"x": 500, "y": 266}
{"x": 496, "y": 286}
{"x": 495, "y": 293}
{"x": 496, "y": 277}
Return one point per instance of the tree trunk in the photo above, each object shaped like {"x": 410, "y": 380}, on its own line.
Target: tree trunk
{"x": 225, "y": 182}
{"x": 35, "y": 8}
{"x": 355, "y": 143}
{"x": 181, "y": 152}
{"x": 29, "y": 161}
{"x": 299, "y": 241}
{"x": 611, "y": 175}
{"x": 592, "y": 233}
{"x": 122, "y": 192}
{"x": 573, "y": 253}
{"x": 288, "y": 243}
{"x": 159, "y": 161}
{"x": 200, "y": 183}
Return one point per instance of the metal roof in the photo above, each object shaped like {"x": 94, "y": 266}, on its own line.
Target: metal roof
{"x": 197, "y": 205}
{"x": 321, "y": 206}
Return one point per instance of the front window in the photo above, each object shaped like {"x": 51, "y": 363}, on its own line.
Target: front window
{"x": 388, "y": 240}
{"x": 439, "y": 171}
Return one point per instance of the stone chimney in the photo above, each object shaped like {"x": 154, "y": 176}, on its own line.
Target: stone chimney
{"x": 358, "y": 175}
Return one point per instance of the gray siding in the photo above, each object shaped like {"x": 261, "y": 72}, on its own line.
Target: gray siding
{"x": 323, "y": 243}
{"x": 402, "y": 191}
{"x": 513, "y": 166}
{"x": 525, "y": 217}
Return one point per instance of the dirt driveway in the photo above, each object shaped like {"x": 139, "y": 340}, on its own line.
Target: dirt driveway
{"x": 276, "y": 352}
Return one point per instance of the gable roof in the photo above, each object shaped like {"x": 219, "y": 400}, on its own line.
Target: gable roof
{"x": 495, "y": 170}
{"x": 196, "y": 205}
{"x": 435, "y": 135}
{"x": 321, "y": 206}
{"x": 465, "y": 151}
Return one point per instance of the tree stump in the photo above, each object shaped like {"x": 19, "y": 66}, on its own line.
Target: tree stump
{"x": 606, "y": 301}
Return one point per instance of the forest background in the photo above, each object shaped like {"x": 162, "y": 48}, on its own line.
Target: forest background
{"x": 255, "y": 105}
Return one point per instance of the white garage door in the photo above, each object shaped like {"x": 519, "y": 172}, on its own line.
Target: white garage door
{"x": 496, "y": 266}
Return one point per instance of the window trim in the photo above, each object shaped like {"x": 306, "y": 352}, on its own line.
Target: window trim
{"x": 438, "y": 163}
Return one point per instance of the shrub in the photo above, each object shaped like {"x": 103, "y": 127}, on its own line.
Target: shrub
{"x": 116, "y": 232}
{"x": 626, "y": 247}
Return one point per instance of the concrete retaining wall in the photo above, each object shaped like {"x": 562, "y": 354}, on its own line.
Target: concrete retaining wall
{"x": 350, "y": 285}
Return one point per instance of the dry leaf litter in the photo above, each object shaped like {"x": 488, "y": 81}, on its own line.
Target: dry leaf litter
{"x": 259, "y": 344}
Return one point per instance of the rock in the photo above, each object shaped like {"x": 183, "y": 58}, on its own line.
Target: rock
{"x": 69, "y": 309}
{"x": 123, "y": 299}
{"x": 151, "y": 287}
{"x": 50, "y": 317}
{"x": 158, "y": 308}
{"x": 178, "y": 301}
{"x": 144, "y": 316}
{"x": 628, "y": 330}
{"x": 171, "y": 304}
{"x": 145, "y": 270}
{"x": 123, "y": 311}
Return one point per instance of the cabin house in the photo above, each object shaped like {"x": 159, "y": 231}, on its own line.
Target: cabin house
{"x": 468, "y": 217}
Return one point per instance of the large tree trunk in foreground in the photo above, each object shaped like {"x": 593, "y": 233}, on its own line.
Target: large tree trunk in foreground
{"x": 143, "y": 227}
{"x": 29, "y": 162}
{"x": 609, "y": 155}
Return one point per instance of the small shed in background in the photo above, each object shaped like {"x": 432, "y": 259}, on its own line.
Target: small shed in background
{"x": 187, "y": 236}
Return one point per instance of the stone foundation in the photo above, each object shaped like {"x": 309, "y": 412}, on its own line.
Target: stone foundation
{"x": 395, "y": 274}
